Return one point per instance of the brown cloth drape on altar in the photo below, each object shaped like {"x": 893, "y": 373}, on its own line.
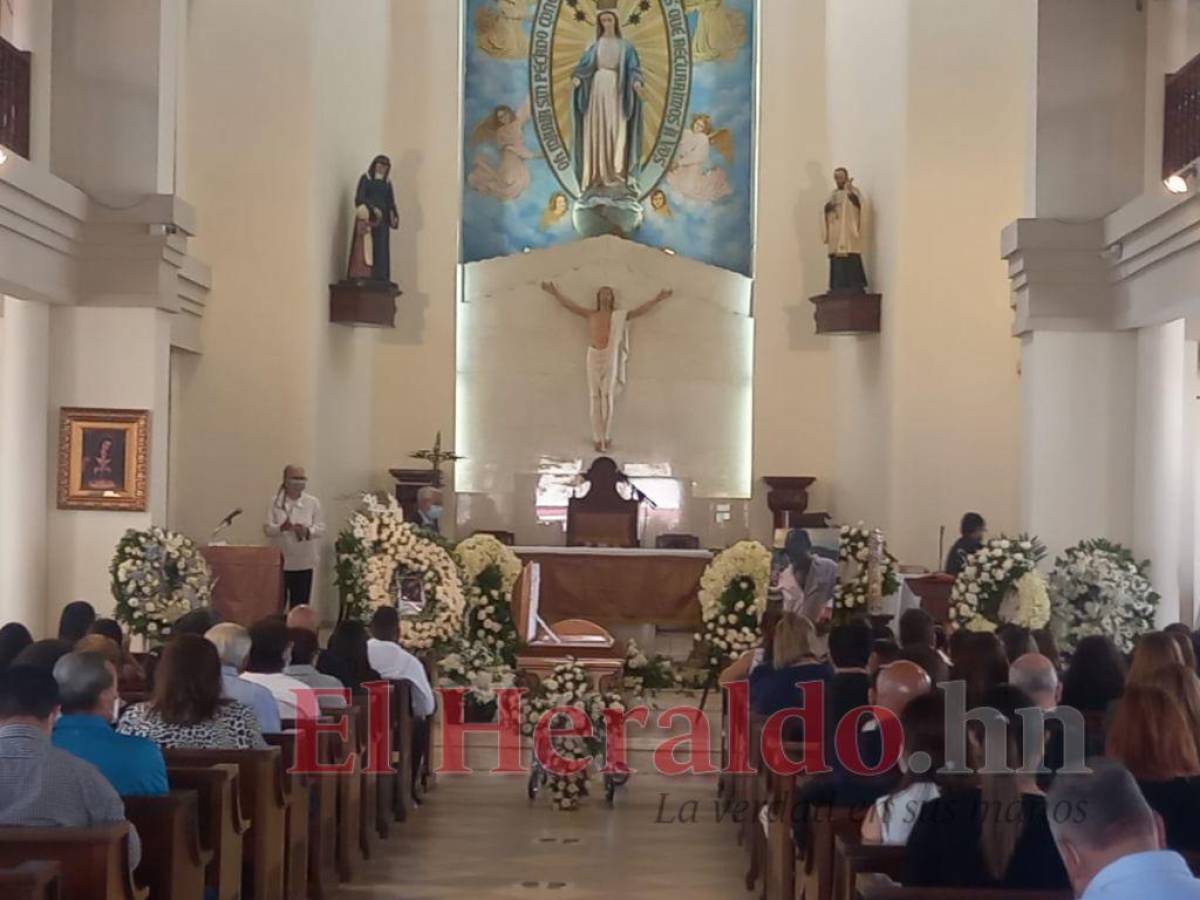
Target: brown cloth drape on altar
{"x": 620, "y": 588}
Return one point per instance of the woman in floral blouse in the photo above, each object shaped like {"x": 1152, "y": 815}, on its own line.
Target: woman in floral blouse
{"x": 187, "y": 710}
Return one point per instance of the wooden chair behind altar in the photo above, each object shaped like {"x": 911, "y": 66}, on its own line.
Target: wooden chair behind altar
{"x": 543, "y": 646}
{"x": 602, "y": 517}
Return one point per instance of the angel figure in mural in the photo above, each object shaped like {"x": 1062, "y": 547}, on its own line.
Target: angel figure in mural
{"x": 555, "y": 211}
{"x": 691, "y": 174}
{"x": 719, "y": 34}
{"x": 607, "y": 101}
{"x": 660, "y": 205}
{"x": 500, "y": 28}
{"x": 508, "y": 178}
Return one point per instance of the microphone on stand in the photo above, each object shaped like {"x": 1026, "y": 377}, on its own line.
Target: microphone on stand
{"x": 224, "y": 523}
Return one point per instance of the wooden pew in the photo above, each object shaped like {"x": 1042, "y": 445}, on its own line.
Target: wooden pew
{"x": 348, "y": 853}
{"x": 853, "y": 858}
{"x": 261, "y": 783}
{"x": 880, "y": 887}
{"x": 323, "y": 799}
{"x": 780, "y": 851}
{"x": 222, "y": 827}
{"x": 824, "y": 825}
{"x": 173, "y": 860}
{"x": 297, "y": 790}
{"x": 38, "y": 880}
{"x": 94, "y": 861}
{"x": 403, "y": 750}
{"x": 367, "y": 782}
{"x": 753, "y": 790}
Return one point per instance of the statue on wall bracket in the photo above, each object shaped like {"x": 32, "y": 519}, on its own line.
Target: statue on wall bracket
{"x": 847, "y": 308}
{"x": 367, "y": 295}
{"x": 610, "y": 92}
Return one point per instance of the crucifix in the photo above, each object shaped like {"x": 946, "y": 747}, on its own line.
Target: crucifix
{"x": 435, "y": 456}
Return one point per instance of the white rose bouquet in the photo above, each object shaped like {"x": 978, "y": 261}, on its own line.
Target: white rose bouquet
{"x": 490, "y": 571}
{"x": 1097, "y": 587}
{"x": 375, "y": 551}
{"x": 852, "y": 594}
{"x": 479, "y": 670}
{"x": 733, "y": 597}
{"x": 570, "y": 686}
{"x": 643, "y": 673}
{"x": 1000, "y": 583}
{"x": 157, "y": 576}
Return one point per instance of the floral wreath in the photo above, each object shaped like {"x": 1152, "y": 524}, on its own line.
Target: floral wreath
{"x": 490, "y": 571}
{"x": 478, "y": 669}
{"x": 376, "y": 549}
{"x": 733, "y": 597}
{"x": 854, "y": 588}
{"x": 570, "y": 685}
{"x": 157, "y": 576}
{"x": 1000, "y": 584}
{"x": 1097, "y": 587}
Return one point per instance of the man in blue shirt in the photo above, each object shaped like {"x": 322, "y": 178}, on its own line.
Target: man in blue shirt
{"x": 1112, "y": 844}
{"x": 87, "y": 686}
{"x": 233, "y": 646}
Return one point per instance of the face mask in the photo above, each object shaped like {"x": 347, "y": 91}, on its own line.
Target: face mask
{"x": 435, "y": 512}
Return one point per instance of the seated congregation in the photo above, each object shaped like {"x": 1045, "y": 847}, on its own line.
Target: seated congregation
{"x": 1017, "y": 772}
{"x": 180, "y": 773}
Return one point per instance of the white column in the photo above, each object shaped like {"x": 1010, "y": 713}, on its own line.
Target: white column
{"x": 1078, "y": 399}
{"x": 24, "y": 460}
{"x": 1158, "y": 469}
{"x": 1187, "y": 488}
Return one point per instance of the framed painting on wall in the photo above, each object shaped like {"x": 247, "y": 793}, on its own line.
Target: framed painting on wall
{"x": 102, "y": 458}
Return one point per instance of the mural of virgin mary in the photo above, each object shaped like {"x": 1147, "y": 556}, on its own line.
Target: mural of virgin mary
{"x": 608, "y": 109}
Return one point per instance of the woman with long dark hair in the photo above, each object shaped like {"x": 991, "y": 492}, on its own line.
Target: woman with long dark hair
{"x": 989, "y": 830}
{"x": 345, "y": 657}
{"x": 14, "y": 637}
{"x": 75, "y": 620}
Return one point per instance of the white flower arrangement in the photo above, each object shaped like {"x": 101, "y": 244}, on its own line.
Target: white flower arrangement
{"x": 157, "y": 576}
{"x": 375, "y": 547}
{"x": 733, "y": 597}
{"x": 490, "y": 571}
{"x": 643, "y": 673}
{"x": 1097, "y": 587}
{"x": 1000, "y": 583}
{"x": 479, "y": 670}
{"x": 854, "y": 590}
{"x": 570, "y": 686}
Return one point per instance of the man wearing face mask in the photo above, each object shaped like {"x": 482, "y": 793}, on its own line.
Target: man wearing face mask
{"x": 296, "y": 525}
{"x": 429, "y": 508}
{"x": 87, "y": 688}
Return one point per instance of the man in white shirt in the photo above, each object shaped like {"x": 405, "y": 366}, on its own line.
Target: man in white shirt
{"x": 270, "y": 647}
{"x": 233, "y": 646}
{"x": 809, "y": 581}
{"x": 394, "y": 663}
{"x": 296, "y": 525}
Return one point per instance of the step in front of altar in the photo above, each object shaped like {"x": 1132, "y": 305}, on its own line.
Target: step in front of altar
{"x": 482, "y": 748}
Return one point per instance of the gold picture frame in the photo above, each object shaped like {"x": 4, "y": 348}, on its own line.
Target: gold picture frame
{"x": 103, "y": 456}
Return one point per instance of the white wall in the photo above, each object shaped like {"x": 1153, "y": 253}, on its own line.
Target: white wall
{"x": 928, "y": 414}
{"x": 25, "y": 460}
{"x": 522, "y": 387}
{"x": 105, "y": 358}
{"x": 303, "y": 85}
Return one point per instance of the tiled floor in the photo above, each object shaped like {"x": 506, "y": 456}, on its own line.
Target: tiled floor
{"x": 478, "y": 836}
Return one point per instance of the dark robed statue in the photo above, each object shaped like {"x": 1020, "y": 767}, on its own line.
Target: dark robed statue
{"x": 375, "y": 215}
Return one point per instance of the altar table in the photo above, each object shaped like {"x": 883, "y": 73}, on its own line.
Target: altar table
{"x": 619, "y": 587}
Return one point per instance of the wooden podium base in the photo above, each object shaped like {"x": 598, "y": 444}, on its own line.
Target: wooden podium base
{"x": 845, "y": 312}
{"x": 370, "y": 303}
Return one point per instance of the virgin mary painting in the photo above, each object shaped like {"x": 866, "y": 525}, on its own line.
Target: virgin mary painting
{"x": 608, "y": 110}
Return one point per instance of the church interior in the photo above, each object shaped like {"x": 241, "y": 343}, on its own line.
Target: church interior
{"x": 585, "y": 349}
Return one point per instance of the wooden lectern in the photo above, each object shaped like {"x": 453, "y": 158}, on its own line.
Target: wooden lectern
{"x": 544, "y": 646}
{"x": 248, "y": 582}
{"x": 602, "y": 517}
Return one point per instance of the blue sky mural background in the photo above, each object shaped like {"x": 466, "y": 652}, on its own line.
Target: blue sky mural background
{"x": 720, "y": 233}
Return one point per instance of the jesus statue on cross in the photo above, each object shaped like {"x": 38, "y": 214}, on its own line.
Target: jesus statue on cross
{"x": 608, "y": 352}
